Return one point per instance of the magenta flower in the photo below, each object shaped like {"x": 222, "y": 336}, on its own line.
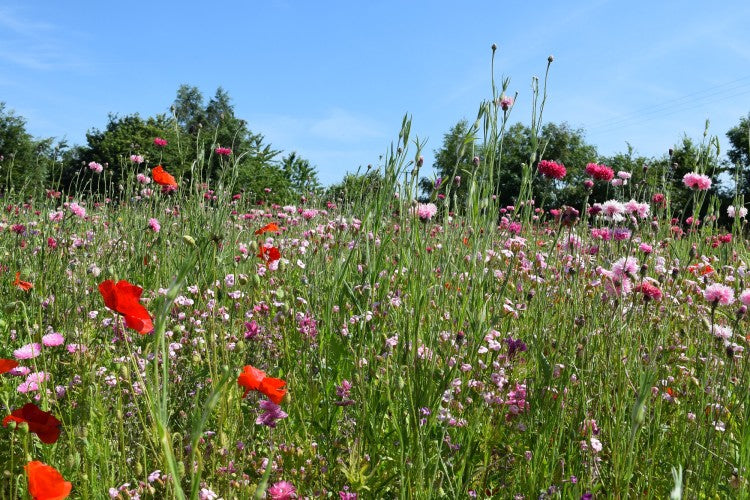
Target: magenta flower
{"x": 506, "y": 102}
{"x": 159, "y": 142}
{"x": 718, "y": 294}
{"x": 154, "y": 225}
{"x": 600, "y": 172}
{"x": 283, "y": 490}
{"x": 745, "y": 297}
{"x": 696, "y": 181}
{"x": 223, "y": 151}
{"x": 551, "y": 169}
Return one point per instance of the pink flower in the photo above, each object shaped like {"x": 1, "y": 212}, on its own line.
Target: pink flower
{"x": 649, "y": 291}
{"x": 77, "y": 209}
{"x": 143, "y": 179}
{"x": 28, "y": 351}
{"x": 551, "y": 169}
{"x": 159, "y": 142}
{"x": 283, "y": 490}
{"x": 154, "y": 225}
{"x": 506, "y": 102}
{"x": 745, "y": 297}
{"x": 719, "y": 294}
{"x": 53, "y": 339}
{"x": 223, "y": 151}
{"x": 96, "y": 167}
{"x": 136, "y": 159}
{"x": 425, "y": 211}
{"x": 696, "y": 181}
{"x": 56, "y": 216}
{"x": 600, "y": 172}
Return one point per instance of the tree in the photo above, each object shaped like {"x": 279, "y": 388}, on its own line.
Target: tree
{"x": 303, "y": 178}
{"x": 563, "y": 144}
{"x": 26, "y": 163}
{"x": 739, "y": 152}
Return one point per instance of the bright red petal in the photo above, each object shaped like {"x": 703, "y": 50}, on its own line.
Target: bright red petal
{"x": 273, "y": 388}
{"x": 7, "y": 365}
{"x": 250, "y": 379}
{"x": 46, "y": 483}
{"x": 107, "y": 289}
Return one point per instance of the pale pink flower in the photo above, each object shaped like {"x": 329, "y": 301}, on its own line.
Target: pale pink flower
{"x": 53, "y": 339}
{"x": 718, "y": 294}
{"x": 696, "y": 181}
{"x": 425, "y": 211}
{"x": 28, "y": 351}
{"x": 136, "y": 159}
{"x": 77, "y": 209}
{"x": 745, "y": 297}
{"x": 96, "y": 167}
{"x": 143, "y": 179}
{"x": 734, "y": 212}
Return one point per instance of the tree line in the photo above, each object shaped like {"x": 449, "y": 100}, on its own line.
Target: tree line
{"x": 194, "y": 129}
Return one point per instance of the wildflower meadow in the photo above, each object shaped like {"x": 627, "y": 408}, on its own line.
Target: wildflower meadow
{"x": 170, "y": 334}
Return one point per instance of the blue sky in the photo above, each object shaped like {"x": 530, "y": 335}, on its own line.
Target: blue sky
{"x": 332, "y": 80}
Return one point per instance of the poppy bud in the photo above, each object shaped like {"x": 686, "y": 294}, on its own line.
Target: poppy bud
{"x": 494, "y": 47}
{"x": 139, "y": 468}
{"x": 550, "y": 58}
{"x": 188, "y": 239}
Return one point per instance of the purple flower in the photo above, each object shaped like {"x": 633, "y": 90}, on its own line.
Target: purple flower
{"x": 271, "y": 413}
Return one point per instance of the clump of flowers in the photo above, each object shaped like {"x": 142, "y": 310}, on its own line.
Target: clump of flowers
{"x": 551, "y": 169}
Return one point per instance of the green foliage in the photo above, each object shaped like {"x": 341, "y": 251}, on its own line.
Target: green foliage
{"x": 26, "y": 164}
{"x": 303, "y": 178}
{"x": 739, "y": 152}
{"x": 356, "y": 188}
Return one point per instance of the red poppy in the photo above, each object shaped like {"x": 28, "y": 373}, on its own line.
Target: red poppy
{"x": 7, "y": 365}
{"x": 250, "y": 379}
{"x": 162, "y": 177}
{"x": 269, "y": 254}
{"x": 253, "y": 379}
{"x": 124, "y": 298}
{"x": 45, "y": 482}
{"x": 268, "y": 228}
{"x": 42, "y": 423}
{"x": 23, "y": 285}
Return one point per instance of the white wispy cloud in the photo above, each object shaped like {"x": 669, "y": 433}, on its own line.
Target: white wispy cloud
{"x": 36, "y": 45}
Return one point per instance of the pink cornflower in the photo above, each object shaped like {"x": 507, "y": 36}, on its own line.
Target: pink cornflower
{"x": 649, "y": 291}
{"x": 28, "y": 351}
{"x": 136, "y": 159}
{"x": 734, "y": 212}
{"x": 625, "y": 267}
{"x": 645, "y": 248}
{"x": 506, "y": 102}
{"x": 159, "y": 142}
{"x": 56, "y": 216}
{"x": 718, "y": 294}
{"x": 223, "y": 151}
{"x": 551, "y": 169}
{"x": 745, "y": 297}
{"x": 77, "y": 209}
{"x": 425, "y": 211}
{"x": 143, "y": 179}
{"x": 613, "y": 210}
{"x": 96, "y": 167}
{"x": 600, "y": 172}
{"x": 283, "y": 490}
{"x": 53, "y": 339}
{"x": 154, "y": 225}
{"x": 696, "y": 181}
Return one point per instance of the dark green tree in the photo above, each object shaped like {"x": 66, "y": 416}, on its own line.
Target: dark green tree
{"x": 303, "y": 178}
{"x": 739, "y": 153}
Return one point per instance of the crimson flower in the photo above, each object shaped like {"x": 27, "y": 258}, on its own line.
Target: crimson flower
{"x": 45, "y": 482}
{"x": 253, "y": 379}
{"x": 162, "y": 177}
{"x": 40, "y": 422}
{"x": 124, "y": 298}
